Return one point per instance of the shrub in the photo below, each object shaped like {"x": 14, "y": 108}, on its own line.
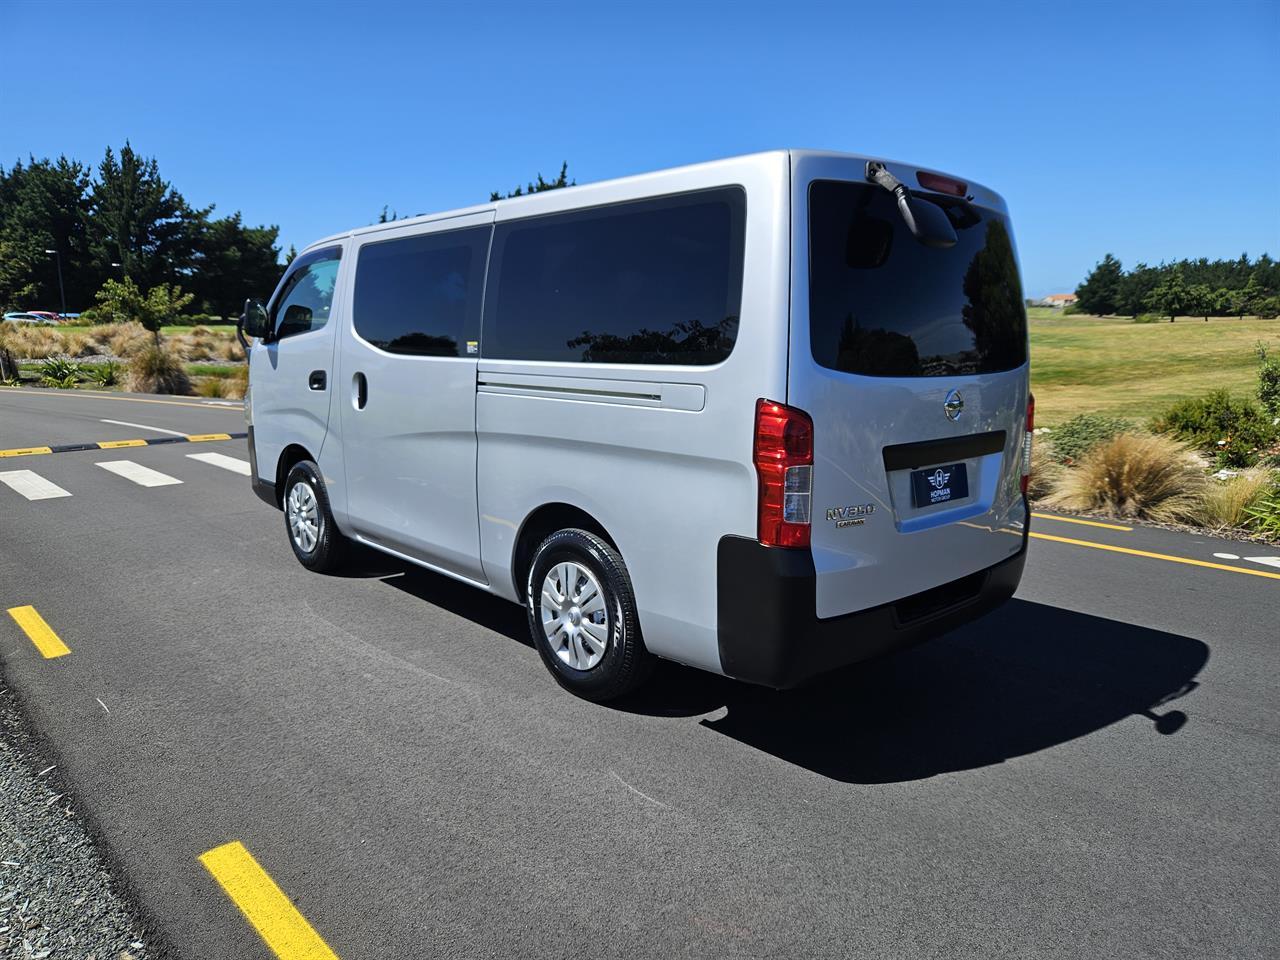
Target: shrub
{"x": 122, "y": 300}
{"x": 1148, "y": 318}
{"x": 157, "y": 368}
{"x": 61, "y": 372}
{"x": 1082, "y": 433}
{"x": 1264, "y": 516}
{"x": 1071, "y": 309}
{"x": 1234, "y": 431}
{"x": 1225, "y": 503}
{"x": 1135, "y": 475}
{"x": 1268, "y": 381}
{"x": 105, "y": 374}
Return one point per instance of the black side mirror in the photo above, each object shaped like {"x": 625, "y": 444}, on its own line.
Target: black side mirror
{"x": 255, "y": 322}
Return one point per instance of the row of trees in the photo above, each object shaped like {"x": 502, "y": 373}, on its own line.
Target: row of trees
{"x": 122, "y": 220}
{"x": 1197, "y": 288}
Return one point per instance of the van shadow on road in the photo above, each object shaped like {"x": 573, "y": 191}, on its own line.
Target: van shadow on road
{"x": 1024, "y": 678}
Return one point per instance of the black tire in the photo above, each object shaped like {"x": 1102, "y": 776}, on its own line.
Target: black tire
{"x": 329, "y": 549}
{"x": 625, "y": 663}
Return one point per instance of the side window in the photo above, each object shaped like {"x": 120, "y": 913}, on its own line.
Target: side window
{"x": 306, "y": 296}
{"x": 652, "y": 281}
{"x": 421, "y": 295}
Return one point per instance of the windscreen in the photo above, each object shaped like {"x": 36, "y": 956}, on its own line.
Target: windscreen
{"x": 883, "y": 304}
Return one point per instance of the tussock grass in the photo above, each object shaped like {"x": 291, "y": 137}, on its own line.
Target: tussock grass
{"x": 1046, "y": 470}
{"x": 1135, "y": 475}
{"x": 157, "y": 368}
{"x": 1227, "y": 503}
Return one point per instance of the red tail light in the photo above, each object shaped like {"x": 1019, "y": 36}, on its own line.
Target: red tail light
{"x": 1026, "y": 442}
{"x": 784, "y": 464}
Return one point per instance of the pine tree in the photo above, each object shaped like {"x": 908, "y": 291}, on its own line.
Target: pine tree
{"x": 1100, "y": 292}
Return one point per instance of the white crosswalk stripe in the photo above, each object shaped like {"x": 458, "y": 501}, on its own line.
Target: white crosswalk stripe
{"x": 234, "y": 464}
{"x": 31, "y": 485}
{"x": 142, "y": 476}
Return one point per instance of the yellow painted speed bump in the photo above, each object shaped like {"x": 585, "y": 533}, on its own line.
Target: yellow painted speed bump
{"x": 264, "y": 904}
{"x": 40, "y": 633}
{"x": 25, "y": 451}
{"x": 117, "y": 444}
{"x": 202, "y": 437}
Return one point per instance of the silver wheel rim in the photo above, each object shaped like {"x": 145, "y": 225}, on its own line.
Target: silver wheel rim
{"x": 574, "y": 619}
{"x": 304, "y": 516}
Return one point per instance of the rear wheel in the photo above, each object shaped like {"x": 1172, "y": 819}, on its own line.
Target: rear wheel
{"x": 312, "y": 533}
{"x": 582, "y": 615}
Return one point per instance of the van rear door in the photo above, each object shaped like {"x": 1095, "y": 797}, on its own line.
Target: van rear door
{"x": 912, "y": 362}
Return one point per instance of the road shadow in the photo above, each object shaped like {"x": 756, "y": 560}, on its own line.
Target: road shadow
{"x": 446, "y": 593}
{"x": 1025, "y": 678}
{"x": 1022, "y": 679}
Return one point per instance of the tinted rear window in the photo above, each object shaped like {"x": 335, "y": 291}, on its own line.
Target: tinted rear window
{"x": 654, "y": 281}
{"x": 421, "y": 295}
{"x": 883, "y": 304}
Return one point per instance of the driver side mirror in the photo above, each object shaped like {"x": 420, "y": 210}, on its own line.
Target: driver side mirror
{"x": 255, "y": 322}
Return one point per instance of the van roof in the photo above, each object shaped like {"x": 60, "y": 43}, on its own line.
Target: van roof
{"x": 584, "y": 191}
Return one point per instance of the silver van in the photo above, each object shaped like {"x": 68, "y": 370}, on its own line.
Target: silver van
{"x": 766, "y": 416}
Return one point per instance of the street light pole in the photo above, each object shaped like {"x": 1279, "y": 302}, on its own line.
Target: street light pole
{"x": 62, "y": 293}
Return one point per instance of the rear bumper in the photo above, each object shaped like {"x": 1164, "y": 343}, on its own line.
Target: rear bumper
{"x": 266, "y": 492}
{"x": 770, "y": 634}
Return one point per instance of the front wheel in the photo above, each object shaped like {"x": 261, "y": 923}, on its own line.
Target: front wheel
{"x": 582, "y": 615}
{"x": 312, "y": 533}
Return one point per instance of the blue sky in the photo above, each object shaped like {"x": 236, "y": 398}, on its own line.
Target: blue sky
{"x": 1151, "y": 130}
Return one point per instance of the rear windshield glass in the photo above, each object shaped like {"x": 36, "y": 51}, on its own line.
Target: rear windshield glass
{"x": 883, "y": 304}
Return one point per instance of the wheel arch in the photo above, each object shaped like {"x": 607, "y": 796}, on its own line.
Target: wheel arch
{"x": 290, "y": 456}
{"x": 540, "y": 524}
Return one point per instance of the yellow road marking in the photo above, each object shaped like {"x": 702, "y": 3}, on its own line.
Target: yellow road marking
{"x": 1157, "y": 556}
{"x": 202, "y": 437}
{"x": 116, "y": 444}
{"x": 24, "y": 451}
{"x": 1087, "y": 523}
{"x": 264, "y": 904}
{"x": 81, "y": 394}
{"x": 39, "y": 632}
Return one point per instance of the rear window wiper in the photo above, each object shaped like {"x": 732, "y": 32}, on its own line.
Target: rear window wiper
{"x": 926, "y": 221}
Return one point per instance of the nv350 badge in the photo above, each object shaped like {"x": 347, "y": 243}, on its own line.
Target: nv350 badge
{"x": 851, "y": 516}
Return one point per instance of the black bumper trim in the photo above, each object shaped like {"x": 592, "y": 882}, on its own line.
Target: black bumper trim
{"x": 769, "y": 631}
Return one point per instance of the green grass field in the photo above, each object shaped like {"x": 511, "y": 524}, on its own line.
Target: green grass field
{"x": 1083, "y": 364}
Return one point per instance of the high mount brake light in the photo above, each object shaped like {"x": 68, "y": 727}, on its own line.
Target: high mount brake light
{"x": 941, "y": 184}
{"x": 784, "y": 464}
{"x": 1026, "y": 442}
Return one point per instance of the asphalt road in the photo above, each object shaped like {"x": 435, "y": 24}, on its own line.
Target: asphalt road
{"x": 1093, "y": 770}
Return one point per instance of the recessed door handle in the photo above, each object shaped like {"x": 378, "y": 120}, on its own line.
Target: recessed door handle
{"x": 317, "y": 380}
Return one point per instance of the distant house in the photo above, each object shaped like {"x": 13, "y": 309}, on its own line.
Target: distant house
{"x": 1058, "y": 300}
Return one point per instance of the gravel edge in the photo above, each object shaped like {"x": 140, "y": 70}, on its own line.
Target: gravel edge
{"x": 58, "y": 897}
